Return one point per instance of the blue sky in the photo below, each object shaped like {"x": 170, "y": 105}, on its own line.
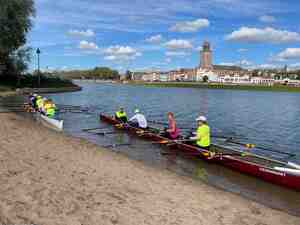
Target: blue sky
{"x": 165, "y": 34}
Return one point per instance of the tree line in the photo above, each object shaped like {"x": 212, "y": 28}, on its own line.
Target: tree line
{"x": 103, "y": 73}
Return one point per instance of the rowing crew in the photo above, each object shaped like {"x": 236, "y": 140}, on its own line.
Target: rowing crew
{"x": 42, "y": 105}
{"x": 201, "y": 136}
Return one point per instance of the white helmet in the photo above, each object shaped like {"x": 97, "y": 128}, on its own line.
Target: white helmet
{"x": 201, "y": 118}
{"x": 136, "y": 111}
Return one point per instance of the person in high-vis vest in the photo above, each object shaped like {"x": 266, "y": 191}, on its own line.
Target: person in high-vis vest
{"x": 121, "y": 115}
{"x": 40, "y": 103}
{"x": 50, "y": 112}
{"x": 202, "y": 137}
{"x": 49, "y": 108}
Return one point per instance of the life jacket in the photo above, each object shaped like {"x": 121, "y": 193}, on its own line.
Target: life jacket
{"x": 203, "y": 133}
{"x": 50, "y": 112}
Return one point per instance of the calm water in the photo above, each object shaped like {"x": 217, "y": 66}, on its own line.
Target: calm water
{"x": 268, "y": 119}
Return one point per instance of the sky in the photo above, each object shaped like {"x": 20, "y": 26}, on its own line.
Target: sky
{"x": 165, "y": 34}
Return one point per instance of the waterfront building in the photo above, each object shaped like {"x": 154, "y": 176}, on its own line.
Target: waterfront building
{"x": 262, "y": 81}
{"x": 212, "y": 72}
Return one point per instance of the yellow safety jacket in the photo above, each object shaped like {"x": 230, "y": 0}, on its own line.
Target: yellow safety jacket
{"x": 40, "y": 103}
{"x": 203, "y": 136}
{"x": 50, "y": 112}
{"x": 120, "y": 114}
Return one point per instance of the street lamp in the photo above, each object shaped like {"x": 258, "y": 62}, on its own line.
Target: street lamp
{"x": 38, "y": 52}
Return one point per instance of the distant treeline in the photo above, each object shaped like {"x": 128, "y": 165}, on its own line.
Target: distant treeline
{"x": 31, "y": 81}
{"x": 103, "y": 73}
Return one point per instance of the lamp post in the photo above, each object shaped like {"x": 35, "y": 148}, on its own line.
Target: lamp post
{"x": 38, "y": 52}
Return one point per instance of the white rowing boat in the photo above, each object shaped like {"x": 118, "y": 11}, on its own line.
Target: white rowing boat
{"x": 50, "y": 123}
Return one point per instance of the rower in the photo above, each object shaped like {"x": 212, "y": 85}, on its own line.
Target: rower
{"x": 138, "y": 120}
{"x": 50, "y": 108}
{"x": 202, "y": 137}
{"x": 121, "y": 115}
{"x": 172, "y": 131}
{"x": 39, "y": 103}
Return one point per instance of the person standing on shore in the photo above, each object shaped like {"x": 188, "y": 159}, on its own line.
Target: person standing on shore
{"x": 121, "y": 115}
{"x": 202, "y": 137}
{"x": 138, "y": 120}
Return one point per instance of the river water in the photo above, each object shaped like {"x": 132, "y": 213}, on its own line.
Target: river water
{"x": 268, "y": 119}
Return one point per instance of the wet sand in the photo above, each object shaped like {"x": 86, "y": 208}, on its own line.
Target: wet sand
{"x": 49, "y": 178}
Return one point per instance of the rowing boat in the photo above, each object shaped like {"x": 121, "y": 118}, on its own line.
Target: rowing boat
{"x": 46, "y": 121}
{"x": 274, "y": 171}
{"x": 49, "y": 122}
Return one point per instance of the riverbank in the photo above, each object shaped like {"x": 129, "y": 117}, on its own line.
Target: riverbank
{"x": 280, "y": 88}
{"x": 48, "y": 178}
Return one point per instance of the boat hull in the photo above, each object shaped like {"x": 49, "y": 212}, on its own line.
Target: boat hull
{"x": 253, "y": 165}
{"x": 50, "y": 123}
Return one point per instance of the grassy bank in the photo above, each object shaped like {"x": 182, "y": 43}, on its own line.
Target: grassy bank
{"x": 221, "y": 86}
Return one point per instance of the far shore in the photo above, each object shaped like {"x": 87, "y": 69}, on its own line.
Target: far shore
{"x": 276, "y": 88}
{"x": 50, "y": 178}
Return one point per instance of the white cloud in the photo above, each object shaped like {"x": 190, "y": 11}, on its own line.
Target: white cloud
{"x": 120, "y": 53}
{"x": 190, "y": 26}
{"x": 168, "y": 60}
{"x": 242, "y": 50}
{"x": 290, "y": 53}
{"x": 85, "y": 45}
{"x": 81, "y": 33}
{"x": 268, "y": 66}
{"x": 178, "y": 44}
{"x": 176, "y": 53}
{"x": 243, "y": 63}
{"x": 267, "y": 19}
{"x": 268, "y": 34}
{"x": 156, "y": 39}
{"x": 227, "y": 64}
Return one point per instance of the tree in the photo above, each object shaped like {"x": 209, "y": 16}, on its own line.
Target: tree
{"x": 205, "y": 79}
{"x": 128, "y": 75}
{"x": 15, "y": 23}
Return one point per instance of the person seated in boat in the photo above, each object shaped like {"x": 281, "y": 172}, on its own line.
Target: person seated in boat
{"x": 138, "y": 120}
{"x": 40, "y": 103}
{"x": 121, "y": 115}
{"x": 202, "y": 137}
{"x": 49, "y": 108}
{"x": 172, "y": 131}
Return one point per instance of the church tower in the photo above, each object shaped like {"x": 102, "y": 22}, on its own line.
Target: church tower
{"x": 206, "y": 56}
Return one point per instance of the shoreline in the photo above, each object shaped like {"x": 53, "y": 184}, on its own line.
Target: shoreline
{"x": 49, "y": 178}
{"x": 218, "y": 86}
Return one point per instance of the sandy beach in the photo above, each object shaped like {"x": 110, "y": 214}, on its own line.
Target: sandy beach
{"x": 49, "y": 178}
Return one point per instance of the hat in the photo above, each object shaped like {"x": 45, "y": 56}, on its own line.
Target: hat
{"x": 201, "y": 118}
{"x": 35, "y": 95}
{"x": 136, "y": 111}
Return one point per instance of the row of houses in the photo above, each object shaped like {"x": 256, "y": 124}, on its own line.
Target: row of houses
{"x": 239, "y": 77}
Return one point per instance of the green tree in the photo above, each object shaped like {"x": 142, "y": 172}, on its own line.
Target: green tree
{"x": 128, "y": 75}
{"x": 15, "y": 23}
{"x": 205, "y": 79}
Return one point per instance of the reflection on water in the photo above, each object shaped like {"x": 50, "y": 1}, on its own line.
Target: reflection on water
{"x": 265, "y": 118}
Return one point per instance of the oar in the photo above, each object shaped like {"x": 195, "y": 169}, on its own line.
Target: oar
{"x": 104, "y": 133}
{"x": 116, "y": 145}
{"x": 249, "y": 146}
{"x": 96, "y": 128}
